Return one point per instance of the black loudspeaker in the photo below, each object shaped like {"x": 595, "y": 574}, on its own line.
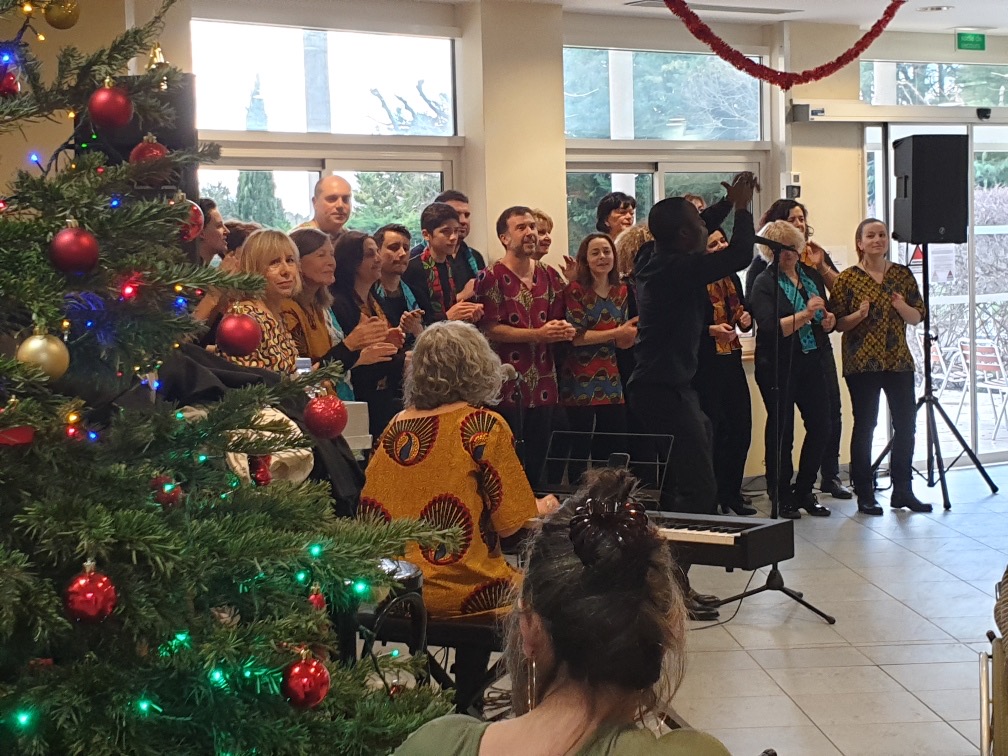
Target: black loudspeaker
{"x": 117, "y": 143}
{"x": 932, "y": 189}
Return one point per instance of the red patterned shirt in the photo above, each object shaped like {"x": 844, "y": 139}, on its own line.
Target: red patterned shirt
{"x": 507, "y": 301}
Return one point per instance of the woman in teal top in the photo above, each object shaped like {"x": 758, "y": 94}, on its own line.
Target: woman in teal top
{"x": 599, "y": 613}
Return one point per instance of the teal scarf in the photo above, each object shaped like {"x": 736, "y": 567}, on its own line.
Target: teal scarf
{"x": 805, "y": 334}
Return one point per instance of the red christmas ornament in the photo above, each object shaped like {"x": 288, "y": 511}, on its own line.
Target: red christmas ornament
{"x": 305, "y": 682}
{"x": 110, "y": 107}
{"x": 259, "y": 469}
{"x": 91, "y": 596}
{"x": 193, "y": 227}
{"x": 167, "y": 492}
{"x": 238, "y": 335}
{"x": 73, "y": 250}
{"x": 316, "y": 599}
{"x": 10, "y": 84}
{"x": 20, "y": 435}
{"x": 325, "y": 416}
{"x": 150, "y": 149}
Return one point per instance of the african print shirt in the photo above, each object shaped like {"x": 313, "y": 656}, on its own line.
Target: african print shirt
{"x": 456, "y": 468}
{"x": 506, "y": 300}
{"x": 878, "y": 343}
{"x": 277, "y": 350}
{"x": 589, "y": 374}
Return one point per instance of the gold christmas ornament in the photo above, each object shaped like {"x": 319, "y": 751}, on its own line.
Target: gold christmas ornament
{"x": 156, "y": 61}
{"x": 61, "y": 14}
{"x": 45, "y": 352}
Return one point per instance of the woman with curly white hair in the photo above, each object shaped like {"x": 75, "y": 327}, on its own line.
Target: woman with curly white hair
{"x": 450, "y": 460}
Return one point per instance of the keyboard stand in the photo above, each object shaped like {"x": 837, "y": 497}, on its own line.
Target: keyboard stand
{"x": 775, "y": 582}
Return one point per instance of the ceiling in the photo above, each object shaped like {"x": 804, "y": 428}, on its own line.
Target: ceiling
{"x": 988, "y": 15}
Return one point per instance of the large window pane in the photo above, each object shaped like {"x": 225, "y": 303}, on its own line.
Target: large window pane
{"x": 901, "y": 83}
{"x": 278, "y": 78}
{"x": 991, "y": 218}
{"x": 585, "y": 190}
{"x": 706, "y": 185}
{"x": 617, "y": 94}
{"x": 274, "y": 199}
{"x": 282, "y": 199}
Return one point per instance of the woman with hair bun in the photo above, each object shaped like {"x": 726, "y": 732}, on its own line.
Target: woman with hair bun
{"x": 582, "y": 675}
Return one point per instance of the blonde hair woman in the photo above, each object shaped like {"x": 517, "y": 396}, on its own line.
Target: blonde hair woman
{"x": 272, "y": 255}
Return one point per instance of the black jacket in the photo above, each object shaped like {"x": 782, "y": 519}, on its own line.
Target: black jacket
{"x": 191, "y": 375}
{"x": 672, "y": 300}
{"x": 765, "y": 292}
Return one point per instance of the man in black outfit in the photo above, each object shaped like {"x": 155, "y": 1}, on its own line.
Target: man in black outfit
{"x": 672, "y": 274}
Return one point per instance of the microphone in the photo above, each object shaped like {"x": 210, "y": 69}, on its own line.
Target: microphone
{"x": 775, "y": 246}
{"x": 508, "y": 372}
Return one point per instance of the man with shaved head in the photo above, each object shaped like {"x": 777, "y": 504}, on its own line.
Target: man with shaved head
{"x": 333, "y": 203}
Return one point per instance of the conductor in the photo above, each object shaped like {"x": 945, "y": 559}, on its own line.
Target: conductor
{"x": 672, "y": 275}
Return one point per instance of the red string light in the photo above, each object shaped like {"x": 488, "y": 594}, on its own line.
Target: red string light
{"x": 129, "y": 290}
{"x": 783, "y": 79}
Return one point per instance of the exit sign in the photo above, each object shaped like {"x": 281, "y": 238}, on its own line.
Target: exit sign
{"x": 971, "y": 41}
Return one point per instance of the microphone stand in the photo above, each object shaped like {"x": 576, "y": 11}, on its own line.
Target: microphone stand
{"x": 775, "y": 581}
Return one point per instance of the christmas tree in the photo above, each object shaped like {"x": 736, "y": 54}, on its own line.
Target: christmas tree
{"x": 153, "y": 598}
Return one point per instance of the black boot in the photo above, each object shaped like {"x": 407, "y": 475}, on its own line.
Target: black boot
{"x": 906, "y": 498}
{"x": 788, "y": 509}
{"x": 811, "y": 504}
{"x": 739, "y": 506}
{"x": 836, "y": 489}
{"x": 867, "y": 505}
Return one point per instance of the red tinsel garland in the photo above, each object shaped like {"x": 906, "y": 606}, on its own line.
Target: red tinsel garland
{"x": 783, "y": 79}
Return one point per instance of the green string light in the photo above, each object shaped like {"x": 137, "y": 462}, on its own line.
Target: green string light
{"x": 180, "y": 415}
{"x": 395, "y": 653}
{"x": 360, "y": 587}
{"x": 201, "y": 458}
{"x": 23, "y": 718}
{"x": 315, "y": 550}
{"x": 145, "y": 706}
{"x": 302, "y": 576}
{"x": 217, "y": 677}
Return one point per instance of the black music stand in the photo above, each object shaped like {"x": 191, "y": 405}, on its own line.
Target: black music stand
{"x": 561, "y": 444}
{"x": 775, "y": 581}
{"x": 931, "y": 404}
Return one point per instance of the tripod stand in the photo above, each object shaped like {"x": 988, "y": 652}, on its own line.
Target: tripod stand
{"x": 931, "y": 404}
{"x": 775, "y": 581}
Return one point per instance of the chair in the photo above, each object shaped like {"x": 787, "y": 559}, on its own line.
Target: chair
{"x": 402, "y": 618}
{"x": 990, "y": 373}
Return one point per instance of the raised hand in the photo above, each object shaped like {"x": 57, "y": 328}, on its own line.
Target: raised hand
{"x": 412, "y": 322}
{"x": 740, "y": 191}
{"x": 370, "y": 330}
{"x": 471, "y": 312}
{"x": 375, "y": 353}
{"x": 568, "y": 267}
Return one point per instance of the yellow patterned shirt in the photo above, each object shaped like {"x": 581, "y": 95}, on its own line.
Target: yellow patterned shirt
{"x": 454, "y": 467}
{"x": 277, "y": 350}
{"x": 878, "y": 343}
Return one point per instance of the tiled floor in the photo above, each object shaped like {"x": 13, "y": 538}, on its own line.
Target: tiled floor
{"x": 913, "y": 595}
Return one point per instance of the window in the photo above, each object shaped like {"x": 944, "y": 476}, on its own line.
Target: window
{"x": 622, "y": 94}
{"x": 276, "y": 78}
{"x": 282, "y": 198}
{"x": 969, "y": 84}
{"x": 585, "y": 189}
{"x": 274, "y": 199}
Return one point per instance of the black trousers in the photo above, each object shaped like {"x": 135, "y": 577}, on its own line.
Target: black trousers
{"x": 531, "y": 428}
{"x": 865, "y": 390}
{"x": 830, "y": 466}
{"x": 802, "y": 386}
{"x": 676, "y": 412}
{"x": 600, "y": 420}
{"x": 724, "y": 397}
